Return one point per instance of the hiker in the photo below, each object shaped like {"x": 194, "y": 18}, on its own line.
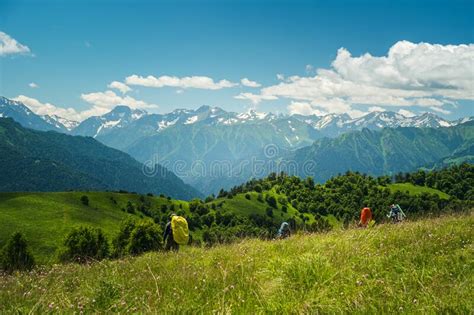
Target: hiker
{"x": 284, "y": 231}
{"x": 176, "y": 233}
{"x": 396, "y": 213}
{"x": 365, "y": 217}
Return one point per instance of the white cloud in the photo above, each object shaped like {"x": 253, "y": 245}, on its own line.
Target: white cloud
{"x": 102, "y": 103}
{"x": 47, "y": 108}
{"x": 440, "y": 110}
{"x": 247, "y": 82}
{"x": 255, "y": 98}
{"x": 309, "y": 69}
{"x": 280, "y": 77}
{"x": 406, "y": 113}
{"x": 33, "y": 85}
{"x": 105, "y": 101}
{"x": 304, "y": 108}
{"x": 376, "y": 109}
{"x": 9, "y": 46}
{"x": 122, "y": 87}
{"x": 179, "y": 91}
{"x": 196, "y": 82}
{"x": 410, "y": 74}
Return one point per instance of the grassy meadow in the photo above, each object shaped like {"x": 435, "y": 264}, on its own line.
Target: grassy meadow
{"x": 46, "y": 218}
{"x": 416, "y": 190}
{"x": 424, "y": 266}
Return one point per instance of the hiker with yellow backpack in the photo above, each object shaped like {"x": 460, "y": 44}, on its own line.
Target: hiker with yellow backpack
{"x": 176, "y": 233}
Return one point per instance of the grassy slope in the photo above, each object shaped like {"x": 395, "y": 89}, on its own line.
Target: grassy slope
{"x": 424, "y": 266}
{"x": 46, "y": 218}
{"x": 417, "y": 190}
{"x": 240, "y": 205}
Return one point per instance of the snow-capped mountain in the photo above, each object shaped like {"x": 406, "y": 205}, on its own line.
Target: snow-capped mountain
{"x": 62, "y": 124}
{"x": 333, "y": 124}
{"x": 120, "y": 117}
{"x": 145, "y": 124}
{"x": 27, "y": 118}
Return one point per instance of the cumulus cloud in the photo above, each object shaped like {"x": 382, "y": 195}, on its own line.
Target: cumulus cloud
{"x": 196, "y": 82}
{"x": 105, "y": 101}
{"x": 33, "y": 85}
{"x": 255, "y": 98}
{"x": 249, "y": 83}
{"x": 427, "y": 75}
{"x": 303, "y": 108}
{"x": 102, "y": 103}
{"x": 9, "y": 46}
{"x": 280, "y": 77}
{"x": 47, "y": 108}
{"x": 122, "y": 87}
{"x": 440, "y": 110}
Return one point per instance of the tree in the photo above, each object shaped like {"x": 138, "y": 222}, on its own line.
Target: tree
{"x": 15, "y": 255}
{"x": 84, "y": 244}
{"x": 146, "y": 236}
{"x": 85, "y": 200}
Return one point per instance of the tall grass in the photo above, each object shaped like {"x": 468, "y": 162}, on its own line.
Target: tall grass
{"x": 417, "y": 267}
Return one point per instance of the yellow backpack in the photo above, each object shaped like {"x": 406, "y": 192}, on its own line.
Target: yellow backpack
{"x": 179, "y": 227}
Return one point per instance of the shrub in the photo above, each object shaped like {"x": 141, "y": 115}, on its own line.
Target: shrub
{"x": 84, "y": 244}
{"x": 271, "y": 201}
{"x": 146, "y": 236}
{"x": 15, "y": 255}
{"x": 122, "y": 239}
{"x": 269, "y": 212}
{"x": 130, "y": 207}
{"x": 247, "y": 196}
{"x": 85, "y": 200}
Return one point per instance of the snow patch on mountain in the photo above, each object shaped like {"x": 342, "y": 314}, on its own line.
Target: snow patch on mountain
{"x": 191, "y": 120}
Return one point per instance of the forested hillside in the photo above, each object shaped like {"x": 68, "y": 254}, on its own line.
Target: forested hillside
{"x": 50, "y": 161}
{"x": 388, "y": 151}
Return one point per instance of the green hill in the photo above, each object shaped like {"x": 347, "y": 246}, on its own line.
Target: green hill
{"x": 49, "y": 161}
{"x": 415, "y": 267}
{"x": 416, "y": 190}
{"x": 46, "y": 218}
{"x": 255, "y": 209}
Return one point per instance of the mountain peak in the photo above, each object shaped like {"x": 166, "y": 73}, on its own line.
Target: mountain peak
{"x": 121, "y": 109}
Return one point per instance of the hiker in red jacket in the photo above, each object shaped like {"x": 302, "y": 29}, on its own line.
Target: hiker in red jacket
{"x": 365, "y": 217}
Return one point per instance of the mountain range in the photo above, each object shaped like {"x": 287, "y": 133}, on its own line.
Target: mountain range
{"x": 384, "y": 152}
{"x": 209, "y": 146}
{"x": 51, "y": 161}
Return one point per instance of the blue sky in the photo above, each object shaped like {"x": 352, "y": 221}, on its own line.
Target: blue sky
{"x": 77, "y": 48}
